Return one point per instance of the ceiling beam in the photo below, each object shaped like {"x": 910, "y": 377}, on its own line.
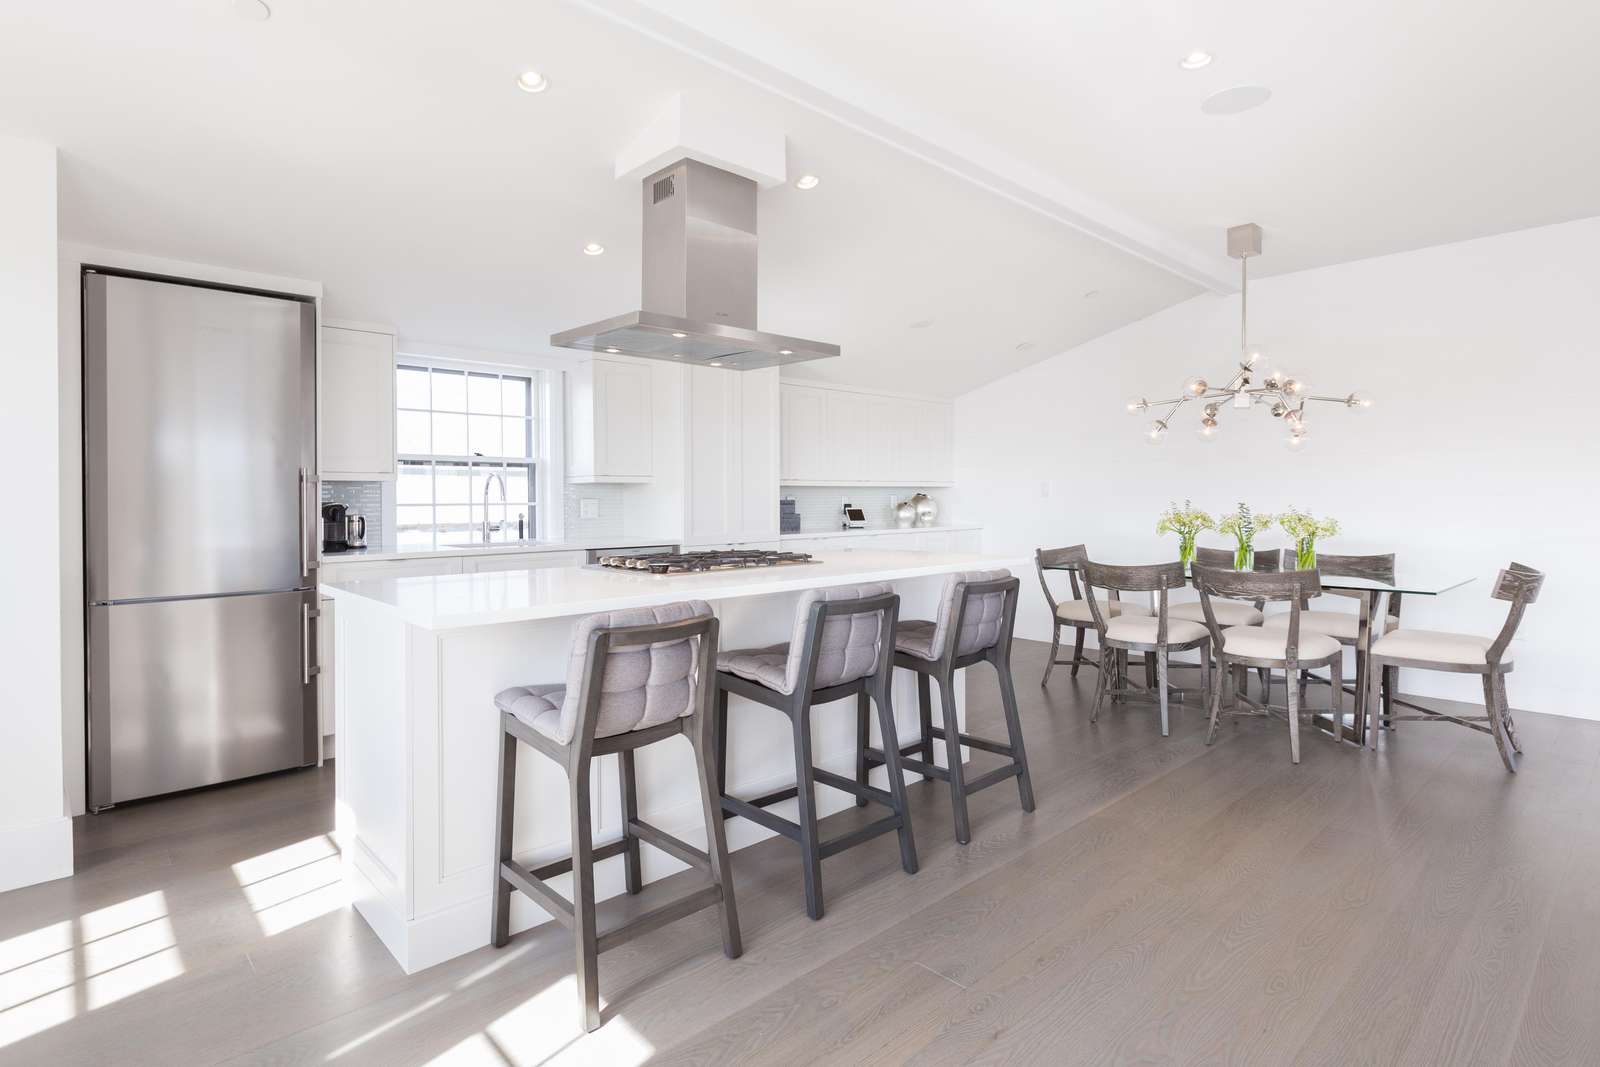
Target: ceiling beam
{"x": 930, "y": 140}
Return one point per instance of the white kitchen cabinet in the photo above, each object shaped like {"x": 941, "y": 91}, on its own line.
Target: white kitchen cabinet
{"x": 609, "y": 422}
{"x": 325, "y": 664}
{"x": 804, "y": 432}
{"x": 834, "y": 436}
{"x": 520, "y": 561}
{"x": 732, "y": 469}
{"x": 356, "y": 404}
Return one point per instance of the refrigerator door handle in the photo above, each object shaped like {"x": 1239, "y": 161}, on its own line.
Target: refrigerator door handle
{"x": 302, "y": 534}
{"x": 307, "y": 669}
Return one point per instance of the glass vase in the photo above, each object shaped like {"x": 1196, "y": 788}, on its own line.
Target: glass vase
{"x": 1305, "y": 555}
{"x": 1245, "y": 558}
{"x": 1186, "y": 550}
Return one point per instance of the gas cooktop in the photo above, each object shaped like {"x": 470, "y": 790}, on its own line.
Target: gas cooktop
{"x": 697, "y": 562}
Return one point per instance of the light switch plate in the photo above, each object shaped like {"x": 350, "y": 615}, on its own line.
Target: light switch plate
{"x": 588, "y": 508}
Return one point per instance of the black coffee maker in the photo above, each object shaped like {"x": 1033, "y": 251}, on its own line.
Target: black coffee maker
{"x": 335, "y": 528}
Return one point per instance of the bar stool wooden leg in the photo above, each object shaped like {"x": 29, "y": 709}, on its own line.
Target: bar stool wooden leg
{"x": 1008, "y": 701}
{"x": 630, "y": 814}
{"x": 504, "y": 817}
{"x": 717, "y": 842}
{"x": 583, "y": 927}
{"x": 925, "y": 712}
{"x": 720, "y": 730}
{"x": 897, "y": 779}
{"x": 952, "y": 743}
{"x": 863, "y": 736}
{"x": 1292, "y": 696}
{"x": 806, "y": 796}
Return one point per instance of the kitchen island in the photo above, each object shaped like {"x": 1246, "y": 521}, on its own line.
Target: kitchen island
{"x": 419, "y": 661}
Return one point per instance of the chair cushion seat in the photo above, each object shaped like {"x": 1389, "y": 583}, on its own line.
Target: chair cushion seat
{"x": 1259, "y": 642}
{"x": 1344, "y": 625}
{"x": 765, "y": 666}
{"x": 537, "y": 706}
{"x": 1228, "y": 612}
{"x": 1435, "y": 645}
{"x": 1078, "y": 610}
{"x": 915, "y": 637}
{"x": 1141, "y": 629}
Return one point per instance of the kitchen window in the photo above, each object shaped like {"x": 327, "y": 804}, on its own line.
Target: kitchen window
{"x": 458, "y": 433}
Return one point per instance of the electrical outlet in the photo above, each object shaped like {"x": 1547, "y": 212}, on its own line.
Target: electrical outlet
{"x": 588, "y": 508}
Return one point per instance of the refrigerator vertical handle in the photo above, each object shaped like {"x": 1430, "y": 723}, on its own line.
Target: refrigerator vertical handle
{"x": 303, "y": 534}
{"x": 307, "y": 669}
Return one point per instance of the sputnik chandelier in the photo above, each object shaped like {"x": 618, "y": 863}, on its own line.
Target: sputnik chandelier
{"x": 1283, "y": 396}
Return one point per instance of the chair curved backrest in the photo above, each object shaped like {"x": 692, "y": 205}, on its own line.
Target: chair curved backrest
{"x": 1069, "y": 559}
{"x": 1292, "y": 586}
{"x": 848, "y": 632}
{"x": 1520, "y": 584}
{"x": 1155, "y": 578}
{"x": 974, "y": 606}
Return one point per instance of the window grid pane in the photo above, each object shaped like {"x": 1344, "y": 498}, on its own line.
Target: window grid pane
{"x": 456, "y": 430}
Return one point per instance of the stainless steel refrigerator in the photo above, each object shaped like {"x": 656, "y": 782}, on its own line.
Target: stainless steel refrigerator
{"x": 200, "y": 523}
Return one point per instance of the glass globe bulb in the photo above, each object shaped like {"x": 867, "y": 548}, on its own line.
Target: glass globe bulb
{"x": 1157, "y": 432}
{"x": 1296, "y": 442}
{"x": 1252, "y": 357}
{"x": 1279, "y": 409}
{"x": 1358, "y": 401}
{"x": 1195, "y": 387}
{"x": 1208, "y": 428}
{"x": 1136, "y": 406}
{"x": 1293, "y": 386}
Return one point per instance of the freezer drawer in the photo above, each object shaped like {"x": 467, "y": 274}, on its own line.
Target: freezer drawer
{"x": 184, "y": 693}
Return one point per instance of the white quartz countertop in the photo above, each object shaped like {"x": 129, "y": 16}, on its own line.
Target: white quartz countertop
{"x": 453, "y": 601}
{"x": 807, "y": 535}
{"x": 382, "y": 552}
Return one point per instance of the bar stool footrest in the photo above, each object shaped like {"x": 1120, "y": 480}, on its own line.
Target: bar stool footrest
{"x": 856, "y": 837}
{"x": 535, "y": 890}
{"x": 983, "y": 744}
{"x": 733, "y": 806}
{"x": 931, "y": 770}
{"x": 672, "y": 846}
{"x": 655, "y": 917}
{"x": 555, "y": 868}
{"x": 851, "y": 786}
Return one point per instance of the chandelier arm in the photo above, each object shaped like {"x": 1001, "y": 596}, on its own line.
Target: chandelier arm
{"x": 1329, "y": 399}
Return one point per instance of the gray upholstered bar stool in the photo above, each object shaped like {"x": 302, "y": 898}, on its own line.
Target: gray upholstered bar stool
{"x": 841, "y": 646}
{"x": 635, "y": 677}
{"x": 976, "y": 615}
{"x": 1289, "y": 649}
{"x": 1155, "y": 636}
{"x": 1434, "y": 650}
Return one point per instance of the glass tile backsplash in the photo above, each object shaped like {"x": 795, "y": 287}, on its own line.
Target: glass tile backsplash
{"x": 362, "y": 498}
{"x": 820, "y": 507}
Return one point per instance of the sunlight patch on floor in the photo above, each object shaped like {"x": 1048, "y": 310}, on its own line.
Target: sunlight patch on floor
{"x": 50, "y": 974}
{"x": 545, "y": 1029}
{"x": 293, "y": 884}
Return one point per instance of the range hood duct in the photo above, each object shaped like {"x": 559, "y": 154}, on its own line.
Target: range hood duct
{"x": 699, "y": 286}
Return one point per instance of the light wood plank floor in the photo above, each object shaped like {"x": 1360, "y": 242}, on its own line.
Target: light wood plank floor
{"x": 1165, "y": 902}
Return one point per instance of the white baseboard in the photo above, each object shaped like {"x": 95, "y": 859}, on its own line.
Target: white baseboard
{"x": 41, "y": 852}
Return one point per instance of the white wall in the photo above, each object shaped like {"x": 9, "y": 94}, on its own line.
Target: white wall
{"x": 1484, "y": 361}
{"x": 35, "y": 833}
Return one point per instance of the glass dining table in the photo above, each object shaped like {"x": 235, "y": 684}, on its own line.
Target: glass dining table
{"x": 1378, "y": 599}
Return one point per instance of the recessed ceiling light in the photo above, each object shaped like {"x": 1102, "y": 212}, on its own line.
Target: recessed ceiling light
{"x": 531, "y": 81}
{"x": 252, "y": 10}
{"x": 785, "y": 351}
{"x": 614, "y": 351}
{"x": 1232, "y": 101}
{"x": 715, "y": 363}
{"x": 1195, "y": 60}
{"x": 593, "y": 249}
{"x": 806, "y": 181}
{"x": 922, "y": 324}
{"x": 1090, "y": 294}
{"x": 1023, "y": 346}
{"x": 680, "y": 336}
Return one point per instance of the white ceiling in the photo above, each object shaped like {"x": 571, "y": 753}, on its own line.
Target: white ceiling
{"x": 985, "y": 174}
{"x": 1393, "y": 124}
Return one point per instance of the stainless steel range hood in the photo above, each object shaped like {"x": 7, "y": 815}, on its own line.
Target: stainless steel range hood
{"x": 699, "y": 286}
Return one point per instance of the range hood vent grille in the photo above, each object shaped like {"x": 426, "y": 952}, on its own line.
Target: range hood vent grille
{"x": 698, "y": 293}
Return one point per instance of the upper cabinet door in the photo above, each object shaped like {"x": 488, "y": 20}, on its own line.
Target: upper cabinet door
{"x": 610, "y": 422}
{"x": 804, "y": 433}
{"x": 848, "y": 415}
{"x": 357, "y": 404}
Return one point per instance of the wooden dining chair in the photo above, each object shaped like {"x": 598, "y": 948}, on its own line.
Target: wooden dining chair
{"x": 1435, "y": 650}
{"x": 1347, "y": 627}
{"x": 1156, "y": 635}
{"x": 1231, "y": 612}
{"x": 1073, "y": 613}
{"x": 1290, "y": 649}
